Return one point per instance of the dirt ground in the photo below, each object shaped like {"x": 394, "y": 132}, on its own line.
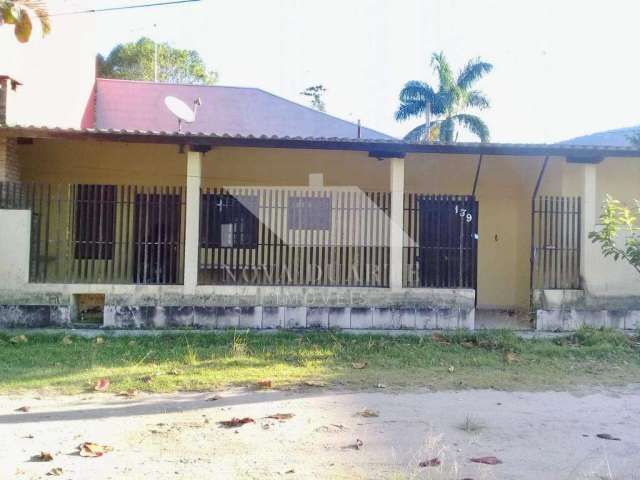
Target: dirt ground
{"x": 536, "y": 435}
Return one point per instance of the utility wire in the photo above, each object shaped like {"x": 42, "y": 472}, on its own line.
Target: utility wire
{"x": 126, "y": 7}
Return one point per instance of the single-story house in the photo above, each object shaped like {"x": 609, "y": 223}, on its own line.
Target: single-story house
{"x": 267, "y": 214}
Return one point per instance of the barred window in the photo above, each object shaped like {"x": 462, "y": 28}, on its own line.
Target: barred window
{"x": 229, "y": 221}
{"x": 95, "y": 225}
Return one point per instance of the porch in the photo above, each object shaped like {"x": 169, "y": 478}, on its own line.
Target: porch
{"x": 281, "y": 236}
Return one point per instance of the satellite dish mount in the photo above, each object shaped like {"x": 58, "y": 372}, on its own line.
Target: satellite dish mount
{"x": 181, "y": 110}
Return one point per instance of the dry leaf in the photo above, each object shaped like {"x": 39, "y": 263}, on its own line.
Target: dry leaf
{"x": 24, "y": 408}
{"x": 381, "y": 385}
{"x": 129, "y": 393}
{"x": 281, "y": 416}
{"x": 486, "y": 460}
{"x": 236, "y": 422}
{"x": 55, "y": 472}
{"x": 214, "y": 398}
{"x": 358, "y": 444}
{"x": 434, "y": 462}
{"x": 175, "y": 371}
{"x": 90, "y": 449}
{"x": 314, "y": 383}
{"x": 290, "y": 471}
{"x": 511, "y": 357}
{"x": 368, "y": 413}
{"x": 147, "y": 379}
{"x": 359, "y": 365}
{"x": 100, "y": 341}
{"x": 18, "y": 339}
{"x": 67, "y": 340}
{"x": 436, "y": 337}
{"x": 263, "y": 384}
{"x": 102, "y": 385}
{"x": 43, "y": 457}
{"x": 606, "y": 436}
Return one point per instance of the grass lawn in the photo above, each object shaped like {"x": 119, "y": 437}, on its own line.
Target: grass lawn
{"x": 207, "y": 361}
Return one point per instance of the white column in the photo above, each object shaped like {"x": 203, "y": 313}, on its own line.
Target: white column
{"x": 192, "y": 221}
{"x": 397, "y": 216}
{"x": 590, "y": 213}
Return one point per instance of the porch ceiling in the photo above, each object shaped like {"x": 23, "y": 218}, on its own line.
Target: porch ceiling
{"x": 383, "y": 147}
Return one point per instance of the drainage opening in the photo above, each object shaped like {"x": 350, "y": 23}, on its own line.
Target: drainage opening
{"x": 89, "y": 308}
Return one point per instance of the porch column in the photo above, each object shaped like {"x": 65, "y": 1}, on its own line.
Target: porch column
{"x": 590, "y": 209}
{"x": 396, "y": 222}
{"x": 192, "y": 221}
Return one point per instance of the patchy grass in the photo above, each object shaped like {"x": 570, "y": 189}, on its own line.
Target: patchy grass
{"x": 471, "y": 425}
{"x": 202, "y": 361}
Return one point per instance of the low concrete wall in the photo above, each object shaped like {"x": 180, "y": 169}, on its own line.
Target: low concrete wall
{"x": 568, "y": 310}
{"x": 145, "y": 306}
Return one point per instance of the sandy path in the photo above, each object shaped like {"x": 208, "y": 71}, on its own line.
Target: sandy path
{"x": 548, "y": 435}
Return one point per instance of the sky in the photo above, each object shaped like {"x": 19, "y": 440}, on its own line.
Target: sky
{"x": 561, "y": 68}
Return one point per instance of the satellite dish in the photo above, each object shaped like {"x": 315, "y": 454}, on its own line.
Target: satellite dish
{"x": 181, "y": 110}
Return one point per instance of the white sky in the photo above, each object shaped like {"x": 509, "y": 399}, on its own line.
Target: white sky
{"x": 562, "y": 68}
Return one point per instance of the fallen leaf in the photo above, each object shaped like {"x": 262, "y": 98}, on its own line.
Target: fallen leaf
{"x": 102, "y": 385}
{"x": 214, "y": 398}
{"x": 486, "y": 460}
{"x": 281, "y": 416}
{"x": 147, "y": 379}
{"x": 358, "y": 444}
{"x": 18, "y": 339}
{"x": 55, "y": 472}
{"x": 359, "y": 365}
{"x": 263, "y": 384}
{"x": 24, "y": 408}
{"x": 368, "y": 413}
{"x": 511, "y": 357}
{"x": 236, "y": 422}
{"x": 129, "y": 393}
{"x": 606, "y": 436}
{"x": 381, "y": 385}
{"x": 67, "y": 340}
{"x": 290, "y": 471}
{"x": 434, "y": 462}
{"x": 314, "y": 383}
{"x": 90, "y": 449}
{"x": 29, "y": 436}
{"x": 436, "y": 337}
{"x": 43, "y": 457}
{"x": 100, "y": 340}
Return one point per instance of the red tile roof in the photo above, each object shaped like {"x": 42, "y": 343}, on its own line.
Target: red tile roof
{"x": 134, "y": 105}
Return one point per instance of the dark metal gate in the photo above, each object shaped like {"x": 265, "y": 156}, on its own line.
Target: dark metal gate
{"x": 447, "y": 241}
{"x": 556, "y": 238}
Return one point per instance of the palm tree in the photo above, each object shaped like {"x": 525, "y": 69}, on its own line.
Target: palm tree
{"x": 448, "y": 104}
{"x": 21, "y": 13}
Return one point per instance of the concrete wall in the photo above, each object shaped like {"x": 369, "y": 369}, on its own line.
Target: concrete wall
{"x": 15, "y": 235}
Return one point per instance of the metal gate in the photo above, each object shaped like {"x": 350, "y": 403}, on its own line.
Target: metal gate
{"x": 447, "y": 241}
{"x": 555, "y": 239}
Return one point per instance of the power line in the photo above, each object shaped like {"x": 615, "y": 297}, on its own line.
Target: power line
{"x": 127, "y": 7}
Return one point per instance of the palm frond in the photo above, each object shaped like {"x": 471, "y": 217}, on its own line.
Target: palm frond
{"x": 477, "y": 99}
{"x": 473, "y": 71}
{"x": 447, "y": 130}
{"x": 418, "y": 133}
{"x": 442, "y": 68}
{"x": 408, "y": 110}
{"x": 474, "y": 124}
{"x": 415, "y": 90}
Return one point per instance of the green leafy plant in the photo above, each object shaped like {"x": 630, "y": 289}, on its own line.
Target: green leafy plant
{"x": 618, "y": 220}
{"x": 447, "y": 104}
{"x": 21, "y": 14}
{"x": 315, "y": 94}
{"x": 136, "y": 61}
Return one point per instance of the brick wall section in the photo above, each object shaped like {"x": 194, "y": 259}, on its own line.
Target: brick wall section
{"x": 9, "y": 165}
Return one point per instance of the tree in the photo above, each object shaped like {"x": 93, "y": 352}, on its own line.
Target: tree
{"x": 135, "y": 61}
{"x": 21, "y": 14}
{"x": 617, "y": 219}
{"x": 315, "y": 93}
{"x": 454, "y": 95}
{"x": 634, "y": 138}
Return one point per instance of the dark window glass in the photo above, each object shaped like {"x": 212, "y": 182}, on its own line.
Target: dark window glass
{"x": 229, "y": 220}
{"x": 95, "y": 225}
{"x": 309, "y": 213}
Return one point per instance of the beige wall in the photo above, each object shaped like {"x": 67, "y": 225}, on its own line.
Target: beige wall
{"x": 14, "y": 247}
{"x": 504, "y": 191}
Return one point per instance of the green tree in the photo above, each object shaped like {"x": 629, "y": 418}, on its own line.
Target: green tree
{"x": 448, "y": 103}
{"x": 316, "y": 94}
{"x": 21, "y": 14}
{"x": 135, "y": 61}
{"x": 634, "y": 138}
{"x": 618, "y": 220}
